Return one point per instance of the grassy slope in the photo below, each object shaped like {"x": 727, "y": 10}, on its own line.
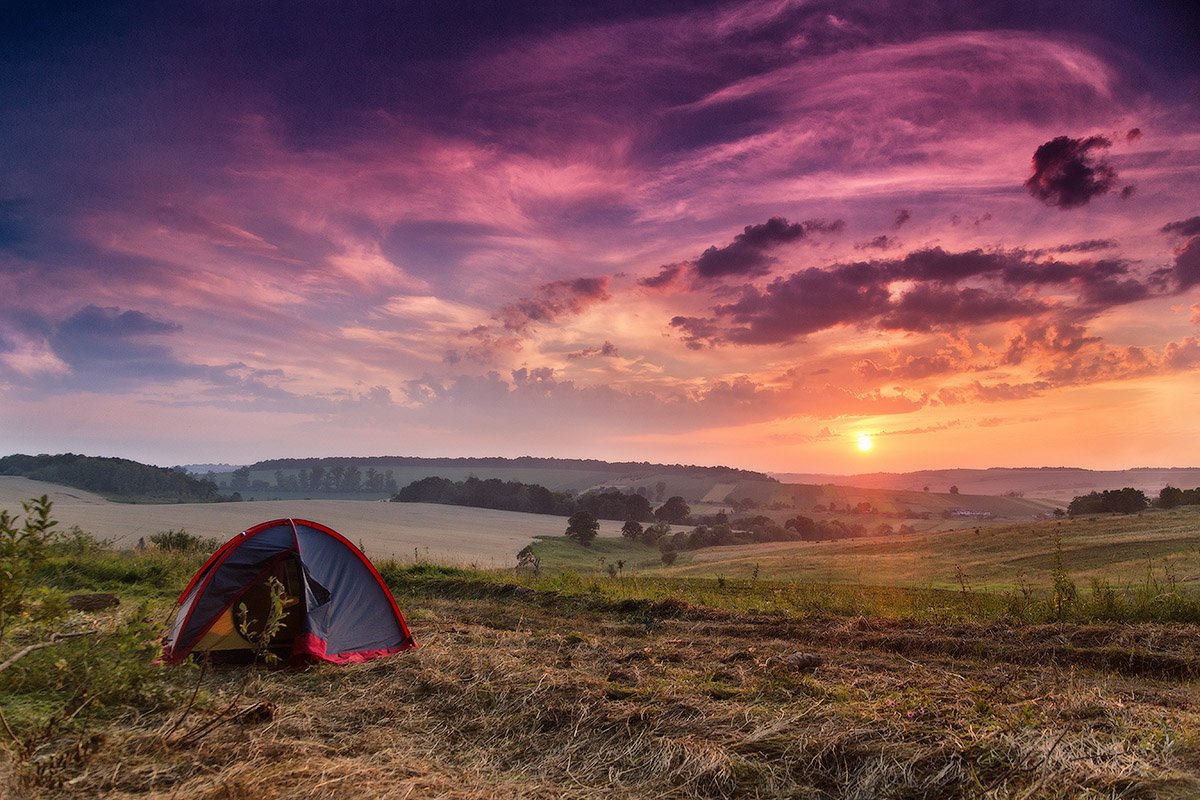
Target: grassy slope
{"x": 1119, "y": 549}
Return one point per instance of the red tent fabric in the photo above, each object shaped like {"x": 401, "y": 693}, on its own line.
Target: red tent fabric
{"x": 336, "y": 606}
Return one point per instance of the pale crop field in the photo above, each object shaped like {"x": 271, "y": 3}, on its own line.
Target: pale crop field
{"x": 404, "y": 531}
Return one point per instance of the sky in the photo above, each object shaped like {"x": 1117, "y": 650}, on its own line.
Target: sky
{"x": 760, "y": 234}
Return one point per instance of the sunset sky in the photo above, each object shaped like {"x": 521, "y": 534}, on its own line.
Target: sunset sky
{"x": 742, "y": 234}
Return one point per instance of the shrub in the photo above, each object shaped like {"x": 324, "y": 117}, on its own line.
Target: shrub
{"x": 180, "y": 541}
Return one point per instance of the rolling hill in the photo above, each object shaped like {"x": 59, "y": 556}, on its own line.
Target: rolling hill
{"x": 1055, "y": 483}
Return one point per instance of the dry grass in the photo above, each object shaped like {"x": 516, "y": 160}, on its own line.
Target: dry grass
{"x": 514, "y": 699}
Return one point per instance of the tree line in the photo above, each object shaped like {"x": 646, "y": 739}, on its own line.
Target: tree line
{"x": 115, "y": 478}
{"x": 717, "y": 531}
{"x": 1131, "y": 501}
{"x": 337, "y": 478}
{"x": 530, "y": 498}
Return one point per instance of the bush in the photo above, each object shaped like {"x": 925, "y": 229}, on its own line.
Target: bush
{"x": 181, "y": 541}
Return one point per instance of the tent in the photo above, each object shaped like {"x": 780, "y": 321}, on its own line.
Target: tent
{"x": 336, "y": 608}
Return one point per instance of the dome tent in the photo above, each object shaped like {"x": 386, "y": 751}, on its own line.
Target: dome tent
{"x": 336, "y": 607}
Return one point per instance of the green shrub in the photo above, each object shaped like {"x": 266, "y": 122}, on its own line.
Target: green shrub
{"x": 181, "y": 541}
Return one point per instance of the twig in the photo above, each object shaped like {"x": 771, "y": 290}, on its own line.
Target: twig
{"x": 53, "y": 640}
{"x": 191, "y": 700}
{"x": 9, "y": 729}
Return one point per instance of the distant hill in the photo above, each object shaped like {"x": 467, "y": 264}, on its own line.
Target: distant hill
{"x": 200, "y": 469}
{"x": 380, "y": 476}
{"x": 114, "y": 478}
{"x": 522, "y": 462}
{"x": 1054, "y": 483}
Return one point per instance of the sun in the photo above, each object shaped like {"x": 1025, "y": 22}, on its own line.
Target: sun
{"x": 864, "y": 442}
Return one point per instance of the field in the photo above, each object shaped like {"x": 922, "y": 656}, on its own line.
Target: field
{"x": 936, "y": 665}
{"x": 1120, "y": 550}
{"x": 447, "y": 534}
{"x": 529, "y": 694}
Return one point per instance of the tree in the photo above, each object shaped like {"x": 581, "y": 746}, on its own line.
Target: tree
{"x": 1170, "y": 497}
{"x": 953, "y": 490}
{"x": 656, "y": 532}
{"x": 582, "y": 527}
{"x": 674, "y": 511}
{"x": 1114, "y": 501}
{"x": 632, "y": 530}
{"x": 241, "y": 478}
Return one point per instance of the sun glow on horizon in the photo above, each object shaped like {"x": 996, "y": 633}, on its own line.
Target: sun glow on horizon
{"x": 864, "y": 442}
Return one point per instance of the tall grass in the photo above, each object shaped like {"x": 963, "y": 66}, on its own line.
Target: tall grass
{"x": 1157, "y": 598}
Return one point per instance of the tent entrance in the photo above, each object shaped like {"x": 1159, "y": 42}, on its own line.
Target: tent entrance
{"x": 238, "y": 631}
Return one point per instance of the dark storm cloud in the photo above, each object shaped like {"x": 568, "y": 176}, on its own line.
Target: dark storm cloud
{"x": 1183, "y": 227}
{"x": 748, "y": 253}
{"x": 1067, "y": 173}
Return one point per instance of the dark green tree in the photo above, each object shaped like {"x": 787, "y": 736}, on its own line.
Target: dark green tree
{"x": 674, "y": 511}
{"x": 632, "y": 530}
{"x": 582, "y": 527}
{"x": 1170, "y": 497}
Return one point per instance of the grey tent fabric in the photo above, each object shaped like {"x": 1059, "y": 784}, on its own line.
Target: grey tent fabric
{"x": 340, "y": 610}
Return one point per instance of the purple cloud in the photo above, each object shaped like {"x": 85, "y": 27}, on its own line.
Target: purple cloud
{"x": 1183, "y": 227}
{"x": 748, "y": 253}
{"x": 1087, "y": 246}
{"x": 552, "y": 301}
{"x": 1187, "y": 265}
{"x": 1066, "y": 174}
{"x": 928, "y": 307}
{"x": 606, "y": 350}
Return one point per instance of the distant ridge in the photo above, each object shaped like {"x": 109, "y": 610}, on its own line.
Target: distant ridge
{"x": 1049, "y": 482}
{"x": 521, "y": 462}
{"x": 117, "y": 479}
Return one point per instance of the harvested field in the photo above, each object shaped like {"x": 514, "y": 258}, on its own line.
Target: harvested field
{"x": 447, "y": 534}
{"x": 511, "y": 698}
